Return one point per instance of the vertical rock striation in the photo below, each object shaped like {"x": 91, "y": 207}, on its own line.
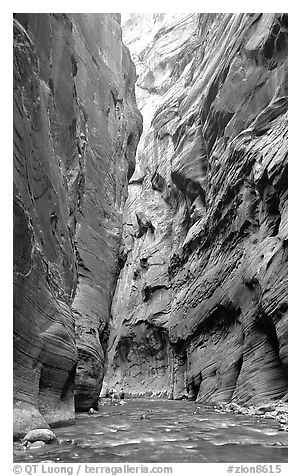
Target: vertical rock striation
{"x": 200, "y": 308}
{"x": 76, "y": 128}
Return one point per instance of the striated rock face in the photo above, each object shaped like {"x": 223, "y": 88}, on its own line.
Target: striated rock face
{"x": 200, "y": 308}
{"x": 76, "y": 127}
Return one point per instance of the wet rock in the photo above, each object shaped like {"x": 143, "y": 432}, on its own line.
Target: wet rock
{"x": 39, "y": 435}
{"x": 266, "y": 408}
{"x": 36, "y": 445}
{"x": 144, "y": 417}
{"x": 283, "y": 419}
{"x": 70, "y": 441}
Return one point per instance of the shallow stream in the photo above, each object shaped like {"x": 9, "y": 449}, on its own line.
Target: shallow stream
{"x": 150, "y": 431}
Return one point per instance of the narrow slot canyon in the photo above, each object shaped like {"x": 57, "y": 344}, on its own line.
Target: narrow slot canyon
{"x": 150, "y": 237}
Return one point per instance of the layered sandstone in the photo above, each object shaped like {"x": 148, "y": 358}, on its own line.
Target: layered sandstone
{"x": 76, "y": 127}
{"x": 200, "y": 308}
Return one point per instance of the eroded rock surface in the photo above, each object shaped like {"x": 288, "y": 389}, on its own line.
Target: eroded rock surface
{"x": 200, "y": 308}
{"x": 76, "y": 127}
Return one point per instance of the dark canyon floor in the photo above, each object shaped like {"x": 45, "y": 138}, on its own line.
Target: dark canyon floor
{"x": 165, "y": 431}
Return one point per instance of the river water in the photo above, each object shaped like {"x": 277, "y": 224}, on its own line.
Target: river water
{"x": 159, "y": 431}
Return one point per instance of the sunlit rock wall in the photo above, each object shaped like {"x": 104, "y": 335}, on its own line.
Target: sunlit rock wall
{"x": 76, "y": 128}
{"x": 200, "y": 309}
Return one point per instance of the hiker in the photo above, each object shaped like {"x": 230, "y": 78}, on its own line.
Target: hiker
{"x": 113, "y": 394}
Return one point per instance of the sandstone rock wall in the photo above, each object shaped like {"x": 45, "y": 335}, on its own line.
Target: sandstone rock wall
{"x": 200, "y": 308}
{"x": 76, "y": 128}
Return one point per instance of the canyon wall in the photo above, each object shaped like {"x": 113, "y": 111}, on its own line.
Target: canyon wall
{"x": 200, "y": 308}
{"x": 76, "y": 128}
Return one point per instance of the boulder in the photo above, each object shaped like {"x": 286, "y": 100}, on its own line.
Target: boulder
{"x": 36, "y": 445}
{"x": 39, "y": 435}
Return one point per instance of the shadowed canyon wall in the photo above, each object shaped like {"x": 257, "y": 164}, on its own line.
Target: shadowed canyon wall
{"x": 76, "y": 128}
{"x": 200, "y": 308}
